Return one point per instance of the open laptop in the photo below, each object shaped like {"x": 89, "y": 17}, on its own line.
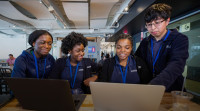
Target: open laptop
{"x": 44, "y": 94}
{"x": 126, "y": 97}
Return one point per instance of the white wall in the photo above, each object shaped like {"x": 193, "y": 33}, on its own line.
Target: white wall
{"x": 12, "y": 45}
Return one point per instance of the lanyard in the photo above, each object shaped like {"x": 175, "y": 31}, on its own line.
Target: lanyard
{"x": 36, "y": 66}
{"x": 154, "y": 60}
{"x": 73, "y": 81}
{"x": 124, "y": 75}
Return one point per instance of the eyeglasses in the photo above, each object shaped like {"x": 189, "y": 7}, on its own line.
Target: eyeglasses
{"x": 156, "y": 24}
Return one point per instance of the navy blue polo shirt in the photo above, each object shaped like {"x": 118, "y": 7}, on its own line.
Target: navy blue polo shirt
{"x": 132, "y": 75}
{"x": 79, "y": 77}
{"x": 157, "y": 44}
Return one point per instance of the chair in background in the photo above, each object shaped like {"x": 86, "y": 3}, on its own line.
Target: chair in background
{"x": 4, "y": 72}
{"x": 3, "y": 64}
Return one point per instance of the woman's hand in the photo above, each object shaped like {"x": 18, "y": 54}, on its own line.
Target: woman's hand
{"x": 91, "y": 79}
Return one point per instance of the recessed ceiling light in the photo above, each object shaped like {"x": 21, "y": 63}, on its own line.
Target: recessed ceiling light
{"x": 126, "y": 9}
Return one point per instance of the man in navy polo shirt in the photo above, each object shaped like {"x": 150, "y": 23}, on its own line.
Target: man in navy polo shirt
{"x": 164, "y": 50}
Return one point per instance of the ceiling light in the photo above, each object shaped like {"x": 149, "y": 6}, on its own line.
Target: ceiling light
{"x": 50, "y": 8}
{"x": 126, "y": 9}
{"x": 140, "y": 9}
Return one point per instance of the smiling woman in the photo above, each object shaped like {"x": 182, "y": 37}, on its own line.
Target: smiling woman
{"x": 76, "y": 69}
{"x": 35, "y": 62}
{"x": 124, "y": 67}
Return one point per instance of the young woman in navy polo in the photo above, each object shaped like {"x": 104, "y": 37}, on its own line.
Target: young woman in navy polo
{"x": 76, "y": 69}
{"x": 124, "y": 67}
{"x": 35, "y": 62}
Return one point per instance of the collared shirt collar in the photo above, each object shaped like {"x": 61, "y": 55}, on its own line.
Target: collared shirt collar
{"x": 68, "y": 59}
{"x": 117, "y": 61}
{"x": 154, "y": 40}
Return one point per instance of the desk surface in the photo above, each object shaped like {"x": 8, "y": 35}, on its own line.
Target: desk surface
{"x": 87, "y": 105}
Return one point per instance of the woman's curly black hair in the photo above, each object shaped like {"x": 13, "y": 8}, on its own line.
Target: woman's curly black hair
{"x": 71, "y": 40}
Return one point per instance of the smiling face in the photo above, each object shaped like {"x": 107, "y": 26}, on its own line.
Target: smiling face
{"x": 77, "y": 52}
{"x": 123, "y": 49}
{"x": 42, "y": 45}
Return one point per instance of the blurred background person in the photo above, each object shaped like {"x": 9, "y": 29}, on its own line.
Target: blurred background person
{"x": 11, "y": 60}
{"x": 107, "y": 56}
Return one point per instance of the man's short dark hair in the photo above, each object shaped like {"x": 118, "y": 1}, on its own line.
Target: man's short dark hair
{"x": 10, "y": 55}
{"x": 36, "y": 34}
{"x": 71, "y": 40}
{"x": 157, "y": 11}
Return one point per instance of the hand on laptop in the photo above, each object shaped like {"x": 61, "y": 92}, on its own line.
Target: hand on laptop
{"x": 91, "y": 79}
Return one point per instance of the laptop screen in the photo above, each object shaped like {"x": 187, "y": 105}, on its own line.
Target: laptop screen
{"x": 126, "y": 97}
{"x": 42, "y": 94}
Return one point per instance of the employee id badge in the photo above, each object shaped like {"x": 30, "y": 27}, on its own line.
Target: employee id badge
{"x": 77, "y": 91}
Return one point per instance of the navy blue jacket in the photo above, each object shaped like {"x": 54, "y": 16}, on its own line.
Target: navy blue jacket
{"x": 106, "y": 72}
{"x": 24, "y": 66}
{"x": 171, "y": 61}
{"x": 89, "y": 68}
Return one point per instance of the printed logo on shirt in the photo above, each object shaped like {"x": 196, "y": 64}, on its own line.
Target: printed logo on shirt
{"x": 88, "y": 66}
{"x": 80, "y": 70}
{"x": 133, "y": 70}
{"x": 168, "y": 46}
{"x": 48, "y": 66}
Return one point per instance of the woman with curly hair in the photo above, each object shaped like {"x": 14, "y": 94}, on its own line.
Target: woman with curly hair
{"x": 76, "y": 69}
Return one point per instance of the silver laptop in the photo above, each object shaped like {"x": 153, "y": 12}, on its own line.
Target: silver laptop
{"x": 44, "y": 94}
{"x": 126, "y": 97}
